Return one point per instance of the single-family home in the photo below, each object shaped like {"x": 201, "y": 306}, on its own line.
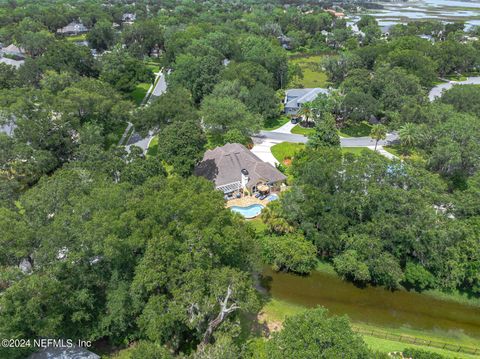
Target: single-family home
{"x": 337, "y": 14}
{"x": 128, "y": 18}
{"x": 285, "y": 42}
{"x": 234, "y": 169}
{"x": 14, "y": 52}
{"x": 11, "y": 62}
{"x": 295, "y": 98}
{"x": 74, "y": 28}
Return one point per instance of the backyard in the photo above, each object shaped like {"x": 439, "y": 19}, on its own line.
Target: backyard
{"x": 313, "y": 76}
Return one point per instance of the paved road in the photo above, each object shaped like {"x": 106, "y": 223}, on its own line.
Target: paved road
{"x": 345, "y": 142}
{"x": 136, "y": 139}
{"x": 161, "y": 86}
{"x": 438, "y": 90}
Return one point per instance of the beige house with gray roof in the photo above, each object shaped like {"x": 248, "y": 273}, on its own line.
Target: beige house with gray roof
{"x": 234, "y": 168}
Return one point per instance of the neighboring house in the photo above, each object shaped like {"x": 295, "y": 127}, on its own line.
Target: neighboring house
{"x": 13, "y": 51}
{"x": 427, "y": 37}
{"x": 11, "y": 62}
{"x": 74, "y": 28}
{"x": 295, "y": 98}
{"x": 128, "y": 18}
{"x": 7, "y": 124}
{"x": 285, "y": 42}
{"x": 337, "y": 14}
{"x": 7, "y": 129}
{"x": 233, "y": 168}
{"x": 64, "y": 353}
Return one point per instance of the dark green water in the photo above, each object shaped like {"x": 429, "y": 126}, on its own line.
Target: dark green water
{"x": 372, "y": 304}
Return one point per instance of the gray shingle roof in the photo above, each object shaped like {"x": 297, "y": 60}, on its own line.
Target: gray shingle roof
{"x": 11, "y": 62}
{"x": 295, "y": 97}
{"x": 73, "y": 27}
{"x": 13, "y": 50}
{"x": 223, "y": 165}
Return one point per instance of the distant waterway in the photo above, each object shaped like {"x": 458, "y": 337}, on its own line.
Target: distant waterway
{"x": 374, "y": 305}
{"x": 442, "y": 10}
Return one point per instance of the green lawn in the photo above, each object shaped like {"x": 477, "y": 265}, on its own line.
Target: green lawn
{"x": 153, "y": 147}
{"x": 258, "y": 225}
{"x": 80, "y": 37}
{"x": 276, "y": 123}
{"x": 413, "y": 156}
{"x": 286, "y": 150}
{"x": 155, "y": 67}
{"x": 300, "y": 130}
{"x": 313, "y": 76}
{"x": 354, "y": 150}
{"x": 456, "y": 77}
{"x": 387, "y": 346}
{"x": 356, "y": 130}
{"x": 275, "y": 311}
{"x": 139, "y": 93}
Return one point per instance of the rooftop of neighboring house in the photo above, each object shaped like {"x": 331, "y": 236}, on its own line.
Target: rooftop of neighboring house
{"x": 13, "y": 50}
{"x": 73, "y": 27}
{"x": 295, "y": 97}
{"x": 128, "y": 17}
{"x": 12, "y": 62}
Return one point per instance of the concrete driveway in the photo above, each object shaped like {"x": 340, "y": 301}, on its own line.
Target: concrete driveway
{"x": 262, "y": 148}
{"x": 264, "y": 140}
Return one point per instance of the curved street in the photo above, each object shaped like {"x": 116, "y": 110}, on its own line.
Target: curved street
{"x": 265, "y": 140}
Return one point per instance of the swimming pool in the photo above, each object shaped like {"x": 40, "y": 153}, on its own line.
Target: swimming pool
{"x": 248, "y": 212}
{"x": 272, "y": 197}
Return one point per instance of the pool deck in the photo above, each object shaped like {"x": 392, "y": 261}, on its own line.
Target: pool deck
{"x": 245, "y": 201}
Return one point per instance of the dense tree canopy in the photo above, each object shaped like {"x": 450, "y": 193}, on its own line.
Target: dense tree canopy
{"x": 121, "y": 245}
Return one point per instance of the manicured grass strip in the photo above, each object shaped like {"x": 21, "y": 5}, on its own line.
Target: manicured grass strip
{"x": 356, "y": 130}
{"x": 153, "y": 147}
{"x": 388, "y": 346}
{"x": 412, "y": 155}
{"x": 275, "y": 311}
{"x": 80, "y": 37}
{"x": 300, "y": 130}
{"x": 286, "y": 150}
{"x": 258, "y": 225}
{"x": 140, "y": 92}
{"x": 276, "y": 123}
{"x": 153, "y": 66}
{"x": 354, "y": 150}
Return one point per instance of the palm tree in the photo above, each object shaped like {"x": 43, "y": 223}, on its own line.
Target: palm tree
{"x": 306, "y": 111}
{"x": 408, "y": 134}
{"x": 378, "y": 132}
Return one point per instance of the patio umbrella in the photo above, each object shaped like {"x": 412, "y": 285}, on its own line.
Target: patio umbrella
{"x": 263, "y": 188}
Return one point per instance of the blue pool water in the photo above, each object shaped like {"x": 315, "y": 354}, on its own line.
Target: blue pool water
{"x": 248, "y": 212}
{"x": 272, "y": 197}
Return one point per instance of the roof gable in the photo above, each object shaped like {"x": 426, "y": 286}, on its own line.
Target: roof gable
{"x": 223, "y": 165}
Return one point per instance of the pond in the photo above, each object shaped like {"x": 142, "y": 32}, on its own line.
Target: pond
{"x": 374, "y": 305}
